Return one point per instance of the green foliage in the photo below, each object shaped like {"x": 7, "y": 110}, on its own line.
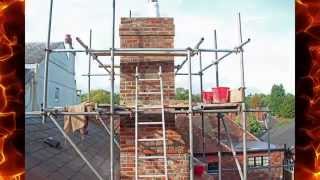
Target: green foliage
{"x": 254, "y": 126}
{"x": 183, "y": 94}
{"x": 100, "y": 96}
{"x": 276, "y": 98}
{"x": 280, "y": 103}
{"x": 257, "y": 100}
{"x": 287, "y": 109}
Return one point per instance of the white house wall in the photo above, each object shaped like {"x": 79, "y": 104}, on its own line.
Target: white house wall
{"x": 60, "y": 75}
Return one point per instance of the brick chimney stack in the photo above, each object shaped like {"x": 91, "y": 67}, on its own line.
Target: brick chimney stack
{"x": 146, "y": 33}
{"x": 149, "y": 33}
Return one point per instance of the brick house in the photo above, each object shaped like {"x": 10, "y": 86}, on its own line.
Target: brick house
{"x": 159, "y": 33}
{"x": 257, "y": 151}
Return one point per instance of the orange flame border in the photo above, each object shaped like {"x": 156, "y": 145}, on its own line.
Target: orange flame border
{"x": 307, "y": 90}
{"x": 11, "y": 90}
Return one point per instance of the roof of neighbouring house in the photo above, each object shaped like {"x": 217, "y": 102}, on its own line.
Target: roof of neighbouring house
{"x": 255, "y": 146}
{"x": 35, "y": 51}
{"x": 28, "y": 74}
{"x": 281, "y": 134}
{"x": 211, "y": 133}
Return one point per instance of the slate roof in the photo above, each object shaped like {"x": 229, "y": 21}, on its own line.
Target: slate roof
{"x": 28, "y": 74}
{"x": 34, "y": 51}
{"x": 44, "y": 162}
{"x": 255, "y": 146}
{"x": 211, "y": 142}
{"x": 280, "y": 135}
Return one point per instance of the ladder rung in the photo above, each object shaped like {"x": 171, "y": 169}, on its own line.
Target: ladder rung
{"x": 151, "y": 157}
{"x": 149, "y": 123}
{"x": 152, "y": 175}
{"x": 149, "y": 79}
{"x": 151, "y": 139}
{"x": 151, "y": 107}
{"x": 149, "y": 93}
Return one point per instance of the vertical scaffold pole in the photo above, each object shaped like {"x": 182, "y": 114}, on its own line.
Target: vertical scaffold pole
{"x": 89, "y": 66}
{"x": 46, "y": 64}
{"x": 220, "y": 170}
{"x": 202, "y": 115}
{"x": 190, "y": 116}
{"x": 201, "y": 74}
{"x": 217, "y": 79}
{"x": 136, "y": 127}
{"x": 268, "y": 118}
{"x": 112, "y": 93}
{"x": 243, "y": 105}
{"x": 216, "y": 57}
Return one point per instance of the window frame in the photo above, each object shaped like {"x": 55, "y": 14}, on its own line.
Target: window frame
{"x": 258, "y": 161}
{"x": 57, "y": 94}
{"x": 213, "y": 164}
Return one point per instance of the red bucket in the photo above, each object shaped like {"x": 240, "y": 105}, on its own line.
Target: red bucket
{"x": 207, "y": 97}
{"x": 198, "y": 170}
{"x": 220, "y": 95}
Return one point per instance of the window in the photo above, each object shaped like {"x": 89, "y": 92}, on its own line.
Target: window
{"x": 251, "y": 161}
{"x": 78, "y": 92}
{"x": 265, "y": 161}
{"x": 213, "y": 168}
{"x": 258, "y": 161}
{"x": 57, "y": 94}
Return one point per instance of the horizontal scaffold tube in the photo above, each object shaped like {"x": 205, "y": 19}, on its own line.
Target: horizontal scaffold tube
{"x": 237, "y": 49}
{"x": 139, "y": 51}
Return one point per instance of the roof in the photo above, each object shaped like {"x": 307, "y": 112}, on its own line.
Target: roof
{"x": 255, "y": 146}
{"x": 281, "y": 134}
{"x": 44, "y": 162}
{"x": 28, "y": 75}
{"x": 211, "y": 133}
{"x": 35, "y": 51}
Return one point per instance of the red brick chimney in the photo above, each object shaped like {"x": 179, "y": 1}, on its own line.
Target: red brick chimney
{"x": 149, "y": 33}
{"x": 146, "y": 33}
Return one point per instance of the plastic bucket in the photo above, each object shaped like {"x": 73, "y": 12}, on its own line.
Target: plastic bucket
{"x": 198, "y": 170}
{"x": 220, "y": 95}
{"x": 207, "y": 97}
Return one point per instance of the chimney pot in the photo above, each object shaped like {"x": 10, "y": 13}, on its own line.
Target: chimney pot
{"x": 68, "y": 39}
{"x": 154, "y": 8}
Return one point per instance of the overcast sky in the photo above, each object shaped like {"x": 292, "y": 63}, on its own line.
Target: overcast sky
{"x": 269, "y": 57}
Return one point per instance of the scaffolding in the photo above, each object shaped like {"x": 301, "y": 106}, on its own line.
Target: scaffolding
{"x": 190, "y": 109}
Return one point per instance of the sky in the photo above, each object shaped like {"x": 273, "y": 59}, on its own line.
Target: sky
{"x": 268, "y": 58}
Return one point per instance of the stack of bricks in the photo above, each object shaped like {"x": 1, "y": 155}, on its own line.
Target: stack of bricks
{"x": 149, "y": 33}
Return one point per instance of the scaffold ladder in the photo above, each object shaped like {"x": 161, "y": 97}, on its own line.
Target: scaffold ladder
{"x": 138, "y": 123}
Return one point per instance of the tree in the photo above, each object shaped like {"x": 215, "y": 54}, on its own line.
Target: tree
{"x": 183, "y": 94}
{"x": 277, "y": 97}
{"x": 254, "y": 126}
{"x": 100, "y": 96}
{"x": 287, "y": 108}
{"x": 256, "y": 101}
